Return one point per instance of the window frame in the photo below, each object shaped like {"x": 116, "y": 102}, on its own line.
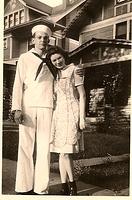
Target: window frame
{"x": 117, "y": 25}
{"x": 13, "y": 16}
{"x": 128, "y": 29}
{"x": 16, "y": 14}
{"x": 11, "y": 21}
{"x": 21, "y": 16}
{"x": 120, "y": 2}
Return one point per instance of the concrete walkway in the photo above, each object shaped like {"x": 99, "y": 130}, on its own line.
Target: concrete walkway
{"x": 8, "y": 183}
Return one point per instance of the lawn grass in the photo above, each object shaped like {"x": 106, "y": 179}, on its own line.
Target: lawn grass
{"x": 96, "y": 145}
{"x": 100, "y": 145}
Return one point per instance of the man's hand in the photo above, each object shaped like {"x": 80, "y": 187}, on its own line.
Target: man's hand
{"x": 80, "y": 70}
{"x": 18, "y": 117}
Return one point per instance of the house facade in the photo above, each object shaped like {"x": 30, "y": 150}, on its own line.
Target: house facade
{"x": 19, "y": 17}
{"x": 104, "y": 30}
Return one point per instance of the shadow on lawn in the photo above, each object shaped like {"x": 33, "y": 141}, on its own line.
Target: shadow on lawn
{"x": 113, "y": 176}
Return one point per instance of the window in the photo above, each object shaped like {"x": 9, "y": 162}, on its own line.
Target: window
{"x": 108, "y": 9}
{"x": 131, "y": 7}
{"x": 16, "y": 18}
{"x": 52, "y": 41}
{"x": 11, "y": 20}
{"x": 5, "y": 22}
{"x": 121, "y": 30}
{"x": 97, "y": 14}
{"x": 121, "y": 10}
{"x": 21, "y": 16}
{"x": 5, "y": 43}
{"x": 130, "y": 31}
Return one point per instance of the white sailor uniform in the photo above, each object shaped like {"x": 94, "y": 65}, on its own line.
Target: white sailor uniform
{"x": 35, "y": 99}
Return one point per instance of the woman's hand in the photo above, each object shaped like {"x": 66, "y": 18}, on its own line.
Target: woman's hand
{"x": 82, "y": 124}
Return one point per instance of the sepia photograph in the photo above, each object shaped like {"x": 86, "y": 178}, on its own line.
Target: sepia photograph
{"x": 66, "y": 98}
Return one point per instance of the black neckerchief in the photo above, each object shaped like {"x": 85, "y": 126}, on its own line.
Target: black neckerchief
{"x": 44, "y": 60}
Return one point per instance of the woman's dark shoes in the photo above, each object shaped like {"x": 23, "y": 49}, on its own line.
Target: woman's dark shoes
{"x": 65, "y": 189}
{"x": 73, "y": 188}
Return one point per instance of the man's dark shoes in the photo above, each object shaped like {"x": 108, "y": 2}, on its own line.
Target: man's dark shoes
{"x": 31, "y": 192}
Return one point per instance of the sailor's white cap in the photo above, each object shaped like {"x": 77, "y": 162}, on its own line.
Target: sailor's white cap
{"x": 43, "y": 28}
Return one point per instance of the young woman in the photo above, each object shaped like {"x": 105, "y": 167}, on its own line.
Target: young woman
{"x": 68, "y": 116}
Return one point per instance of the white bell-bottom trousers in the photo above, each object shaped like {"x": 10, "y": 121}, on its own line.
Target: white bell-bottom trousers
{"x": 36, "y": 126}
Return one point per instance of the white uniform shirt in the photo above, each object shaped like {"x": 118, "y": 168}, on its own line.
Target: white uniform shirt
{"x": 28, "y": 91}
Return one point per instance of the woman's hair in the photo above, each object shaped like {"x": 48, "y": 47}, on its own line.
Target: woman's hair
{"x": 55, "y": 49}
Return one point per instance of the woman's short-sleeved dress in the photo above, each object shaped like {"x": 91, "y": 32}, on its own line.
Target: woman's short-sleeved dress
{"x": 65, "y": 134}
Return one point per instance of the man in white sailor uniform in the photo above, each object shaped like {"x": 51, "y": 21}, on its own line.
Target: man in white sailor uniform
{"x": 32, "y": 103}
